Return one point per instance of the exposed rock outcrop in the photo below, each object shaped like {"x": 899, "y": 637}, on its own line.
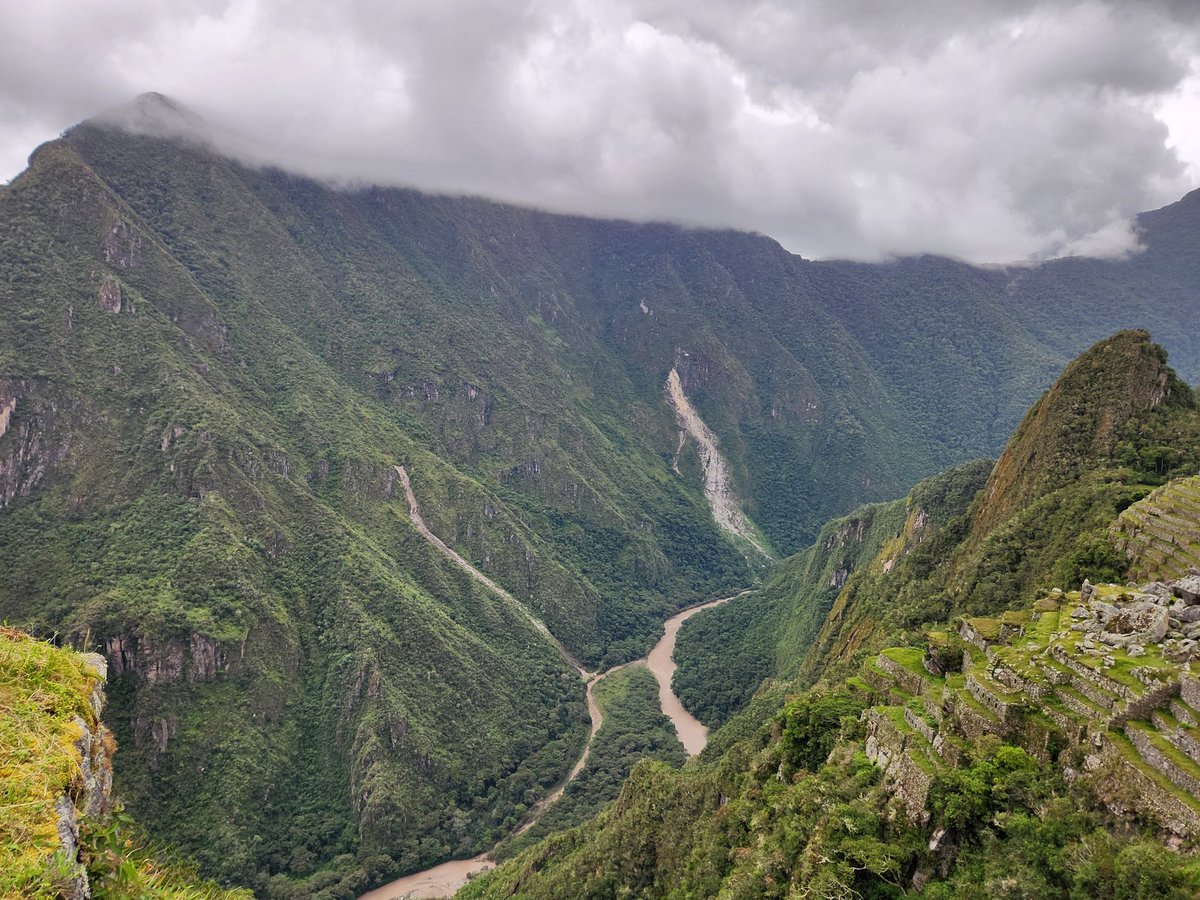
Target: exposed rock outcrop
{"x": 717, "y": 487}
{"x": 109, "y": 295}
{"x": 199, "y": 658}
{"x": 30, "y": 443}
{"x": 89, "y": 795}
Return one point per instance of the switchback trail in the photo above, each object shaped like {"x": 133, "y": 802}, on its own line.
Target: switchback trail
{"x": 444, "y": 880}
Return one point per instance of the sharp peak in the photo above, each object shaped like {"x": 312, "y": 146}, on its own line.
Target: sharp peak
{"x": 156, "y": 115}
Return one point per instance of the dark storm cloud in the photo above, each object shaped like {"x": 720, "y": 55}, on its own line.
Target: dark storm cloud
{"x": 986, "y": 129}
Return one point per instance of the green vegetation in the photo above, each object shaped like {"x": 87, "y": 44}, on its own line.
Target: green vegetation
{"x": 827, "y": 827}
{"x": 209, "y": 373}
{"x": 202, "y": 486}
{"x": 42, "y": 692}
{"x": 725, "y": 654}
{"x": 46, "y": 697}
{"x": 634, "y": 729}
{"x": 122, "y": 862}
{"x": 798, "y": 808}
{"x": 792, "y": 806}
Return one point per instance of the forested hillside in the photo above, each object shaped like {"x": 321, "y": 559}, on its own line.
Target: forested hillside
{"x": 209, "y": 373}
{"x": 1116, "y": 424}
{"x": 1037, "y": 755}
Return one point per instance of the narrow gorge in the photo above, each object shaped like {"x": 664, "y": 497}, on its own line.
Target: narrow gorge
{"x": 445, "y": 879}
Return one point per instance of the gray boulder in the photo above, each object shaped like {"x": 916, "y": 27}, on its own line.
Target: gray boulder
{"x": 1139, "y": 624}
{"x": 1187, "y": 589}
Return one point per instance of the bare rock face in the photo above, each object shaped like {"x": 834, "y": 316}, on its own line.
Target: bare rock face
{"x": 1143, "y": 623}
{"x": 122, "y": 246}
{"x": 109, "y": 296}
{"x": 90, "y": 792}
{"x": 200, "y": 658}
{"x": 95, "y": 750}
{"x": 33, "y": 439}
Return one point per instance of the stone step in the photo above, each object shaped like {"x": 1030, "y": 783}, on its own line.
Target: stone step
{"x": 1186, "y": 494}
{"x": 1104, "y": 699}
{"x": 1157, "y": 751}
{"x": 876, "y": 678}
{"x": 1170, "y": 512}
{"x": 991, "y": 694}
{"x": 1081, "y": 705}
{"x": 1145, "y": 552}
{"x": 1178, "y": 524}
{"x": 906, "y": 669}
{"x": 1178, "y": 733}
{"x": 917, "y": 722}
{"x": 1168, "y": 526}
{"x": 1173, "y": 545}
{"x": 950, "y": 748}
{"x": 1056, "y": 672}
{"x": 973, "y": 718}
{"x": 1184, "y": 713}
{"x": 1152, "y": 791}
{"x": 1166, "y": 544}
{"x": 933, "y": 706}
{"x": 914, "y": 743}
{"x": 1072, "y": 724}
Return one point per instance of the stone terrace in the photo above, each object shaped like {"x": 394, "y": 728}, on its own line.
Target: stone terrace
{"x": 1098, "y": 681}
{"x": 1160, "y": 534}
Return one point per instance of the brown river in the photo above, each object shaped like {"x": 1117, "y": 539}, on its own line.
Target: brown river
{"x": 446, "y": 879}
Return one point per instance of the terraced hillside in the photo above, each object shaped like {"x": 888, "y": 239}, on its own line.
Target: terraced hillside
{"x": 1161, "y": 534}
{"x": 941, "y": 735}
{"x": 1119, "y": 704}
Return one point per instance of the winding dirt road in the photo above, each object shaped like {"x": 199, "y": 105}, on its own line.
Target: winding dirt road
{"x": 445, "y": 880}
{"x": 414, "y": 513}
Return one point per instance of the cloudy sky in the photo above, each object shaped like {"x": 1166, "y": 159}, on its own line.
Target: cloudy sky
{"x": 991, "y": 130}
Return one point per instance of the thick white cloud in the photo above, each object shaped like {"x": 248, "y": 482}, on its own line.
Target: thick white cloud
{"x": 991, "y": 130}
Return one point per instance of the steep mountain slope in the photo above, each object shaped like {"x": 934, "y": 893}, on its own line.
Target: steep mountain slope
{"x": 62, "y": 835}
{"x": 1115, "y": 424}
{"x": 933, "y": 787}
{"x": 209, "y": 374}
{"x": 725, "y": 655}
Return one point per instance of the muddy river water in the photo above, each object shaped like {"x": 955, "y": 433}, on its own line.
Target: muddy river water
{"x": 446, "y": 879}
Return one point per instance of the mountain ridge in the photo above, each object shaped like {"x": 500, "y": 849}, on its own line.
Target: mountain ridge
{"x": 925, "y": 747}
{"x": 212, "y": 370}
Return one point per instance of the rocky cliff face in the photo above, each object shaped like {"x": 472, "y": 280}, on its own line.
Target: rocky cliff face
{"x": 89, "y": 792}
{"x": 56, "y": 760}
